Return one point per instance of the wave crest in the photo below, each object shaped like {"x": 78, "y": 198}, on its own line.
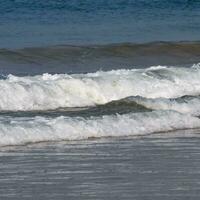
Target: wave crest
{"x": 18, "y": 131}
{"x": 48, "y": 91}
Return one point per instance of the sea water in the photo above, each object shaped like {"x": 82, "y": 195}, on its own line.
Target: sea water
{"x": 99, "y": 99}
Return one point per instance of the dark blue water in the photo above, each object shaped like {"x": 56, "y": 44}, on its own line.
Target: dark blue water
{"x": 37, "y": 22}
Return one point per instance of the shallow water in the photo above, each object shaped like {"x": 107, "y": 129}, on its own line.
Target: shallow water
{"x": 154, "y": 167}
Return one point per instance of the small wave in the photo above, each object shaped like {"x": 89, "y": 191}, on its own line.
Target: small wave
{"x": 19, "y": 131}
{"x": 44, "y": 92}
{"x": 70, "y": 53}
{"x": 185, "y": 104}
{"x": 81, "y": 59}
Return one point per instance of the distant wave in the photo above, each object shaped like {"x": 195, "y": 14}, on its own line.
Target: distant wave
{"x": 81, "y": 59}
{"x": 44, "y": 92}
{"x": 18, "y": 131}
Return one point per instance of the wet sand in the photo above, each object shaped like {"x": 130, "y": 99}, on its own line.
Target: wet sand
{"x": 164, "y": 166}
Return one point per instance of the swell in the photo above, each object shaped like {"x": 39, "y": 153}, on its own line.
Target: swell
{"x": 47, "y": 92}
{"x": 81, "y": 59}
{"x": 18, "y": 131}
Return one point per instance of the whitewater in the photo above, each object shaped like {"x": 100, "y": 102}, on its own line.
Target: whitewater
{"x": 19, "y": 131}
{"x": 56, "y": 107}
{"x": 47, "y": 91}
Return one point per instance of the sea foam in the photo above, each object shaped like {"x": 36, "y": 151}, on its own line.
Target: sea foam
{"x": 48, "y": 91}
{"x": 185, "y": 104}
{"x": 18, "y": 131}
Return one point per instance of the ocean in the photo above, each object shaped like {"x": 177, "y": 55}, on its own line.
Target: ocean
{"x": 99, "y": 99}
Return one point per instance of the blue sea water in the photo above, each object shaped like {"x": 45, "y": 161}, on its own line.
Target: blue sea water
{"x": 37, "y": 22}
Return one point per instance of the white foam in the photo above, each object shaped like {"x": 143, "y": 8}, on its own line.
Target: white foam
{"x": 190, "y": 105}
{"x": 62, "y": 90}
{"x": 17, "y": 131}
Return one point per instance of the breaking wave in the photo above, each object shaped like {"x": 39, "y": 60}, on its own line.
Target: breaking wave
{"x": 18, "y": 131}
{"x": 44, "y": 92}
{"x": 185, "y": 104}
